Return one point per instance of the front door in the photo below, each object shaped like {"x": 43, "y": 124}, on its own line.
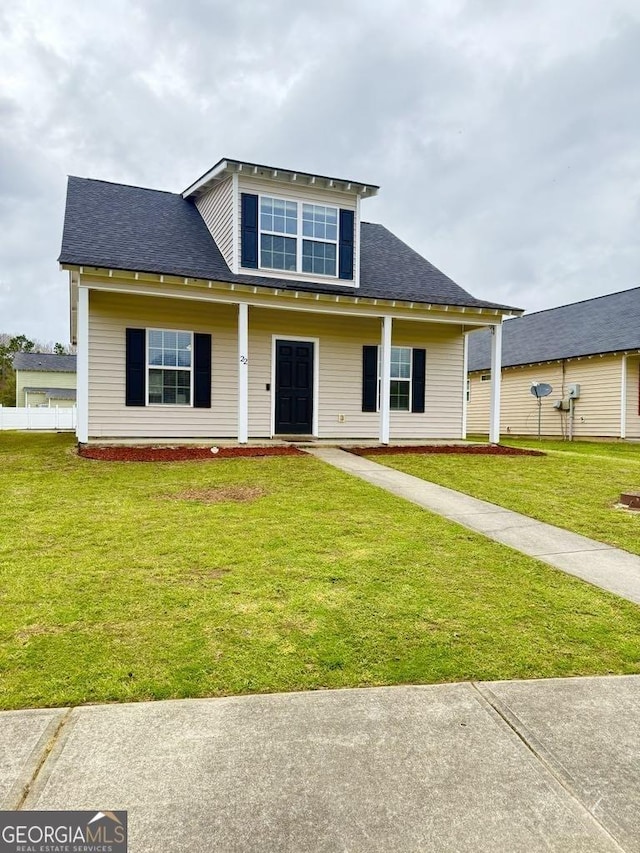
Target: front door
{"x": 294, "y": 387}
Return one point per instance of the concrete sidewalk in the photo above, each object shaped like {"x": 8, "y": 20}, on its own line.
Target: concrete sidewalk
{"x": 550, "y": 765}
{"x": 610, "y": 568}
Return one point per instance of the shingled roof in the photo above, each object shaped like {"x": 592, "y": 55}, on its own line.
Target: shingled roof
{"x": 121, "y": 227}
{"x": 605, "y": 324}
{"x": 44, "y": 362}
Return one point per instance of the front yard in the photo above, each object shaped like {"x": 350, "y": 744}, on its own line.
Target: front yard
{"x": 132, "y": 581}
{"x": 575, "y": 486}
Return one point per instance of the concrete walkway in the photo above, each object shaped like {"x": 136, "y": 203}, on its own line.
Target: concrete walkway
{"x": 506, "y": 767}
{"x": 610, "y": 568}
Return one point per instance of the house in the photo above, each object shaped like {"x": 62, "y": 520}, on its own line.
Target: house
{"x": 588, "y": 352}
{"x": 43, "y": 379}
{"x": 255, "y": 304}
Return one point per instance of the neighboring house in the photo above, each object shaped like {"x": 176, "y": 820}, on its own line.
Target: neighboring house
{"x": 43, "y": 379}
{"x": 594, "y": 344}
{"x": 257, "y": 304}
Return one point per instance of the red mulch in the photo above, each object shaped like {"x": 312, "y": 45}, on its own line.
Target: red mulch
{"x": 471, "y": 449}
{"x": 118, "y": 453}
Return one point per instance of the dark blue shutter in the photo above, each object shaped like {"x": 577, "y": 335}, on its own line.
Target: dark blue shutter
{"x": 202, "y": 371}
{"x": 418, "y": 374}
{"x": 345, "y": 248}
{"x": 369, "y": 379}
{"x": 249, "y": 229}
{"x": 135, "y": 367}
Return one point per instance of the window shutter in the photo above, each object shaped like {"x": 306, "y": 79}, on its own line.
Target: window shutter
{"x": 249, "y": 228}
{"x": 345, "y": 251}
{"x": 369, "y": 379}
{"x": 135, "y": 384}
{"x": 202, "y": 371}
{"x": 418, "y": 373}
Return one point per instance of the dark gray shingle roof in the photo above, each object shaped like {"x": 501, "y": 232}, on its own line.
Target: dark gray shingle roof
{"x": 601, "y": 325}
{"x": 129, "y": 228}
{"x": 44, "y": 361}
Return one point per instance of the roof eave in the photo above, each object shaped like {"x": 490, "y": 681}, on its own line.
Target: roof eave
{"x": 500, "y": 311}
{"x": 226, "y": 167}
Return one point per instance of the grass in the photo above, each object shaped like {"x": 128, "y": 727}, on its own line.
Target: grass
{"x": 576, "y": 486}
{"x": 121, "y": 582}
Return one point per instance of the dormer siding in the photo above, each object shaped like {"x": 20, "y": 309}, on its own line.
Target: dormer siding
{"x": 216, "y": 208}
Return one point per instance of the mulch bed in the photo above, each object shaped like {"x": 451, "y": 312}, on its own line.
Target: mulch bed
{"x": 185, "y": 453}
{"x": 469, "y": 449}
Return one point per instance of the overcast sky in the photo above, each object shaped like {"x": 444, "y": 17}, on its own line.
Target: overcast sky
{"x": 505, "y": 135}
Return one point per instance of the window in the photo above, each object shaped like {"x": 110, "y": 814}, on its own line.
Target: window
{"x": 169, "y": 367}
{"x": 486, "y": 377}
{"x": 400, "y": 397}
{"x": 468, "y": 391}
{"x": 298, "y": 237}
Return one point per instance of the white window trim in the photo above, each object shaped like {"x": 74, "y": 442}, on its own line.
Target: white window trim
{"x": 316, "y": 379}
{"x": 298, "y": 237}
{"x": 392, "y": 378}
{"x": 188, "y": 405}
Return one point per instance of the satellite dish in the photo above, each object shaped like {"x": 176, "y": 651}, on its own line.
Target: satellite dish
{"x": 541, "y": 389}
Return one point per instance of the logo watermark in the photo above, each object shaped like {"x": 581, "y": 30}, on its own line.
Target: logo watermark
{"x": 63, "y": 832}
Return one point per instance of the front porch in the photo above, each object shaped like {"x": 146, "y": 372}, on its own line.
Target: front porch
{"x": 371, "y": 372}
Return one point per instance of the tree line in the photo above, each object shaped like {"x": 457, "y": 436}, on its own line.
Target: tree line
{"x": 9, "y": 346}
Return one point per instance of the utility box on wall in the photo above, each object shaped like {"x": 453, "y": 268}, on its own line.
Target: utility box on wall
{"x": 573, "y": 391}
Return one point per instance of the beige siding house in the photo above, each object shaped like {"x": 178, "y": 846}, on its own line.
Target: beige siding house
{"x": 589, "y": 348}
{"x": 256, "y": 305}
{"x": 45, "y": 380}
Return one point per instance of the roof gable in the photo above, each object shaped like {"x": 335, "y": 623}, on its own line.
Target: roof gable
{"x": 116, "y": 226}
{"x": 604, "y": 324}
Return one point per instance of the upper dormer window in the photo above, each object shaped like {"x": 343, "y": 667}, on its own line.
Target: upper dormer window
{"x": 298, "y": 237}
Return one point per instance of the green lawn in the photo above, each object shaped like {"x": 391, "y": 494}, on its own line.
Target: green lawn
{"x": 114, "y": 586}
{"x": 576, "y": 486}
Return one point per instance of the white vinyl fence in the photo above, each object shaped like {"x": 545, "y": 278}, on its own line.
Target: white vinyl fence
{"x": 35, "y": 417}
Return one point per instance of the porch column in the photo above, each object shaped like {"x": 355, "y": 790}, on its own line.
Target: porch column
{"x": 82, "y": 366}
{"x": 465, "y": 381}
{"x": 385, "y": 380}
{"x": 243, "y": 373}
{"x": 623, "y": 398}
{"x": 496, "y": 376}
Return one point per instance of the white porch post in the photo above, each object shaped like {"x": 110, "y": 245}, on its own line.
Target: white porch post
{"x": 496, "y": 376}
{"x": 623, "y": 398}
{"x": 465, "y": 381}
{"x": 243, "y": 373}
{"x": 385, "y": 380}
{"x": 82, "y": 424}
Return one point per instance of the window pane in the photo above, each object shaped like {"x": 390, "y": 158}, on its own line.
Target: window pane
{"x": 278, "y": 253}
{"x": 319, "y": 221}
{"x": 155, "y": 339}
{"x": 319, "y": 258}
{"x": 169, "y": 340}
{"x": 170, "y": 387}
{"x": 401, "y": 362}
{"x": 155, "y": 356}
{"x": 399, "y": 401}
{"x": 278, "y": 215}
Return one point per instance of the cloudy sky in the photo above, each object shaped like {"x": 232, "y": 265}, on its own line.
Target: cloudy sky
{"x": 505, "y": 134}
